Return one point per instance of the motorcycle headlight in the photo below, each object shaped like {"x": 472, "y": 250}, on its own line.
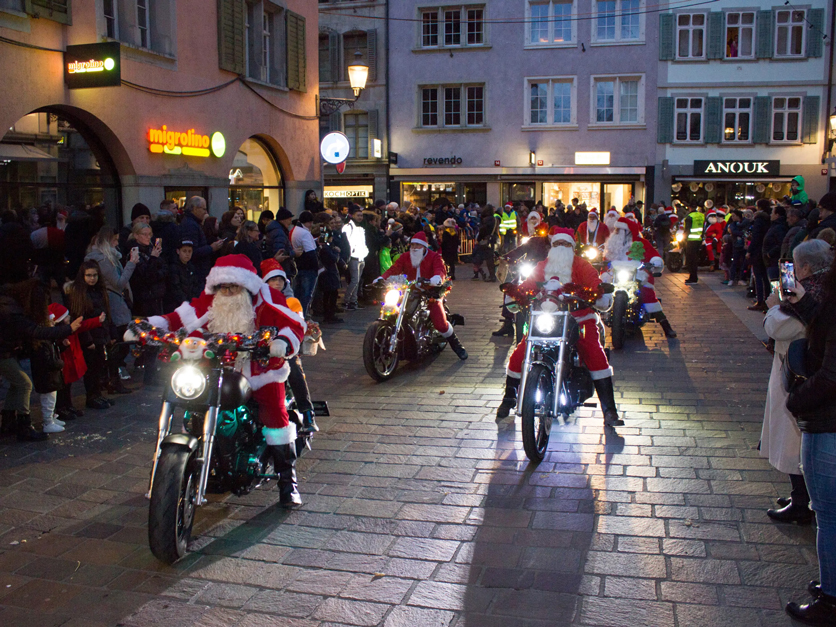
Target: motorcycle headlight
{"x": 526, "y": 269}
{"x": 591, "y": 252}
{"x": 624, "y": 276}
{"x": 188, "y": 383}
{"x": 524, "y": 240}
{"x": 680, "y": 236}
{"x": 392, "y": 298}
{"x": 544, "y": 323}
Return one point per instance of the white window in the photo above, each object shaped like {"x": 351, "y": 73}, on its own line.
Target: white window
{"x": 454, "y": 106}
{"x": 617, "y": 100}
{"x": 688, "y": 113}
{"x": 551, "y": 101}
{"x": 740, "y": 35}
{"x": 264, "y": 28}
{"x": 789, "y": 33}
{"x": 617, "y": 20}
{"x": 111, "y": 19}
{"x": 786, "y": 119}
{"x": 452, "y": 27}
{"x": 550, "y": 22}
{"x": 737, "y": 120}
{"x": 690, "y": 36}
{"x": 142, "y": 20}
{"x": 356, "y": 125}
{"x": 266, "y": 47}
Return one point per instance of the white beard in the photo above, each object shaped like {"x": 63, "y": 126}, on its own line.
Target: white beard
{"x": 618, "y": 245}
{"x": 559, "y": 264}
{"x": 610, "y": 222}
{"x": 232, "y": 314}
{"x": 416, "y": 257}
{"x": 591, "y": 225}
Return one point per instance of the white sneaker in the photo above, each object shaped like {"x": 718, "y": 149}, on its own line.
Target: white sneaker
{"x": 52, "y": 427}
{"x": 59, "y": 422}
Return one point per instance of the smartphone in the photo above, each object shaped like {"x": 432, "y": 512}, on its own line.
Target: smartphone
{"x": 776, "y": 288}
{"x": 787, "y": 269}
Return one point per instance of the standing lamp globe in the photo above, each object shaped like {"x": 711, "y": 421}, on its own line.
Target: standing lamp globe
{"x": 358, "y": 74}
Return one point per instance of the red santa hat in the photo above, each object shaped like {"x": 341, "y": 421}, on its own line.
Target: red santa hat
{"x": 57, "y": 312}
{"x": 534, "y": 216}
{"x": 559, "y": 233}
{"x": 237, "y": 269}
{"x": 420, "y": 238}
{"x": 711, "y": 213}
{"x": 630, "y": 215}
{"x": 629, "y": 225}
{"x": 593, "y": 214}
{"x": 612, "y": 212}
{"x": 270, "y": 269}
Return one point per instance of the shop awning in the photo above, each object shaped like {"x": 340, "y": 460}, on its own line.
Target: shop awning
{"x": 751, "y": 179}
{"x": 22, "y": 152}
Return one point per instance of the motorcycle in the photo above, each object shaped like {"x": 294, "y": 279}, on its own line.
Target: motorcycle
{"x": 627, "y": 314}
{"x": 675, "y": 254}
{"x": 593, "y": 254}
{"x": 554, "y": 380}
{"x": 216, "y": 444}
{"x": 404, "y": 329}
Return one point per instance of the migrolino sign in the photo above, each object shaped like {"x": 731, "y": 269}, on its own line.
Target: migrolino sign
{"x": 454, "y": 160}
{"x": 738, "y": 168}
{"x": 187, "y": 142}
{"x": 93, "y": 65}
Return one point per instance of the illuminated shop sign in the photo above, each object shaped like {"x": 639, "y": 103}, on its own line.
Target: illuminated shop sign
{"x": 738, "y": 168}
{"x": 186, "y": 142}
{"x": 348, "y": 192}
{"x": 454, "y": 160}
{"x": 93, "y": 65}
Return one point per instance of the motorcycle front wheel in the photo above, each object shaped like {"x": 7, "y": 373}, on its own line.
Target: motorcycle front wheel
{"x": 379, "y": 360}
{"x": 619, "y": 320}
{"x": 537, "y": 398}
{"x": 173, "y": 503}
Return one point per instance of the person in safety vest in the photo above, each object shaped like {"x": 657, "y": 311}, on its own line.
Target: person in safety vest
{"x": 560, "y": 267}
{"x": 713, "y": 237}
{"x": 508, "y": 228}
{"x": 694, "y": 232}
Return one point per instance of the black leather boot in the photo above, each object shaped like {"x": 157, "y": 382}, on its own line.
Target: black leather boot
{"x": 606, "y": 396}
{"x": 284, "y": 461}
{"x": 666, "y": 327}
{"x": 821, "y": 610}
{"x": 309, "y": 422}
{"x": 798, "y": 508}
{"x": 457, "y": 347}
{"x": 509, "y": 401}
{"x": 9, "y": 422}
{"x": 26, "y": 432}
{"x": 506, "y": 330}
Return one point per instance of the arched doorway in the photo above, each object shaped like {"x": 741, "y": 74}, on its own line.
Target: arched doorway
{"x": 51, "y": 156}
{"x": 255, "y": 180}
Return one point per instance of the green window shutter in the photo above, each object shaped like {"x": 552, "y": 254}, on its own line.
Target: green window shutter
{"x": 716, "y": 36}
{"x": 666, "y": 37}
{"x": 372, "y": 132}
{"x": 334, "y": 55}
{"x": 664, "y": 121}
{"x": 296, "y": 60}
{"x": 810, "y": 120}
{"x": 763, "y": 113}
{"x": 815, "y": 34}
{"x": 371, "y": 56}
{"x": 713, "y": 120}
{"x": 231, "y": 44}
{"x": 335, "y": 122}
{"x": 55, "y": 10}
{"x": 765, "y": 29}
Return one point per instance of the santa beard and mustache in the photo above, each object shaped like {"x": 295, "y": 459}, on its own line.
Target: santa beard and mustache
{"x": 232, "y": 314}
{"x": 559, "y": 264}
{"x": 610, "y": 221}
{"x": 416, "y": 257}
{"x": 618, "y": 245}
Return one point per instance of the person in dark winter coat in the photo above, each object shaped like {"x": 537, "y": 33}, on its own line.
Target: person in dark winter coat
{"x": 312, "y": 203}
{"x": 826, "y": 215}
{"x": 149, "y": 279}
{"x": 754, "y": 253}
{"x": 81, "y": 228}
{"x": 16, "y": 249}
{"x": 140, "y": 214}
{"x": 191, "y": 228}
{"x": 277, "y": 234}
{"x": 772, "y": 241}
{"x": 450, "y": 247}
{"x": 184, "y": 283}
{"x": 166, "y": 230}
{"x": 23, "y": 318}
{"x": 330, "y": 257}
{"x": 796, "y": 234}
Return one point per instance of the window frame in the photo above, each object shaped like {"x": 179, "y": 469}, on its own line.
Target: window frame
{"x": 441, "y": 112}
{"x": 789, "y": 26}
{"x": 551, "y": 81}
{"x": 550, "y": 24}
{"x": 440, "y": 22}
{"x": 359, "y": 145}
{"x": 786, "y": 110}
{"x": 737, "y": 110}
{"x": 691, "y": 29}
{"x": 618, "y": 16}
{"x": 617, "y": 79}
{"x": 144, "y": 5}
{"x": 274, "y": 16}
{"x": 739, "y": 26}
{"x": 112, "y": 19}
{"x": 688, "y": 111}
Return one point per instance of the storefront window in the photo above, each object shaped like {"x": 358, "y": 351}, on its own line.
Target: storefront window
{"x": 336, "y": 197}
{"x": 735, "y": 194}
{"x": 255, "y": 183}
{"x": 425, "y": 194}
{"x": 519, "y": 192}
{"x": 588, "y": 192}
{"x": 474, "y": 192}
{"x": 182, "y": 194}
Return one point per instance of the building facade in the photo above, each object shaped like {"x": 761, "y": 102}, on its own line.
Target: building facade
{"x": 523, "y": 101}
{"x": 742, "y": 96}
{"x": 215, "y": 99}
{"x": 346, "y": 29}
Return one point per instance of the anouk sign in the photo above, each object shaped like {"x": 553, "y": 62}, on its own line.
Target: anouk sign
{"x": 738, "y": 168}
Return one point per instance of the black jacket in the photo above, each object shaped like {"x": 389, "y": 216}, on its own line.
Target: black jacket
{"x": 760, "y": 225}
{"x": 813, "y": 403}
{"x": 148, "y": 284}
{"x": 184, "y": 284}
{"x": 47, "y": 366}
{"x": 16, "y": 330}
{"x": 772, "y": 242}
{"x": 251, "y": 250}
{"x": 329, "y": 257}
{"x": 828, "y": 223}
{"x": 192, "y": 230}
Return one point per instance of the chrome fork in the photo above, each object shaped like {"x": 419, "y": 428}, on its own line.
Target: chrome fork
{"x": 210, "y": 421}
{"x": 393, "y": 341}
{"x": 558, "y": 369}
{"x": 164, "y": 426}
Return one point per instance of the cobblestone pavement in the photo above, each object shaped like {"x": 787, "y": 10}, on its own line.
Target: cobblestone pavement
{"x": 421, "y": 510}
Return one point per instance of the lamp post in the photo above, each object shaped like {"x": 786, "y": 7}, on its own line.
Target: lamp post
{"x": 358, "y": 74}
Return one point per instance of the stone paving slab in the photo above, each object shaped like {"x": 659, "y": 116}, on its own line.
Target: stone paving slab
{"x": 420, "y": 509}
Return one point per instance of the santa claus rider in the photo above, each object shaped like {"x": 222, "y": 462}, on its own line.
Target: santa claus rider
{"x": 423, "y": 263}
{"x": 592, "y": 232}
{"x": 563, "y": 266}
{"x": 235, "y": 300}
{"x": 626, "y": 243}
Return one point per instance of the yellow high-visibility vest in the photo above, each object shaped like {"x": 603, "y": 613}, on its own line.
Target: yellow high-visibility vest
{"x": 509, "y": 222}
{"x": 697, "y": 223}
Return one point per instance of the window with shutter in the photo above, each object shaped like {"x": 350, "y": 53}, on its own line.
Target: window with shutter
{"x": 666, "y": 35}
{"x": 740, "y": 35}
{"x": 371, "y": 54}
{"x": 231, "y": 52}
{"x": 810, "y": 120}
{"x": 765, "y": 27}
{"x": 373, "y": 132}
{"x": 334, "y": 55}
{"x": 815, "y": 38}
{"x": 295, "y": 46}
{"x": 354, "y": 42}
{"x": 713, "y": 120}
{"x": 716, "y": 37}
{"x": 324, "y": 58}
{"x": 786, "y": 119}
{"x": 664, "y": 121}
{"x": 689, "y": 119}
{"x": 56, "y": 10}
{"x": 760, "y": 134}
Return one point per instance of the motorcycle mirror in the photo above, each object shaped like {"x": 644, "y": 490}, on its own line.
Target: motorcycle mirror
{"x": 504, "y": 287}
{"x": 607, "y": 288}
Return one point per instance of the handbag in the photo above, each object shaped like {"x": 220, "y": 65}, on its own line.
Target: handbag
{"x": 794, "y": 368}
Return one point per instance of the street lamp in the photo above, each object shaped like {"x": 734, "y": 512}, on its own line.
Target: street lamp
{"x": 358, "y": 74}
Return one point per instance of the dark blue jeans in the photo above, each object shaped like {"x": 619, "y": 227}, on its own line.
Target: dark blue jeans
{"x": 738, "y": 263}
{"x": 304, "y": 288}
{"x": 761, "y": 281}
{"x": 818, "y": 460}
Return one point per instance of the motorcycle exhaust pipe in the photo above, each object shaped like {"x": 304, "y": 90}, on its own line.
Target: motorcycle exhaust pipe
{"x": 164, "y": 426}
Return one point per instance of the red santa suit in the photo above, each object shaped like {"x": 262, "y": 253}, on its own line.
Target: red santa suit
{"x": 598, "y": 236}
{"x": 650, "y": 255}
{"x": 430, "y": 268}
{"x": 589, "y": 346}
{"x": 713, "y": 235}
{"x": 532, "y": 223}
{"x": 269, "y": 310}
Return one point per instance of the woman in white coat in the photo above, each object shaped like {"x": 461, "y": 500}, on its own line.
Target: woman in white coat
{"x": 780, "y": 436}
